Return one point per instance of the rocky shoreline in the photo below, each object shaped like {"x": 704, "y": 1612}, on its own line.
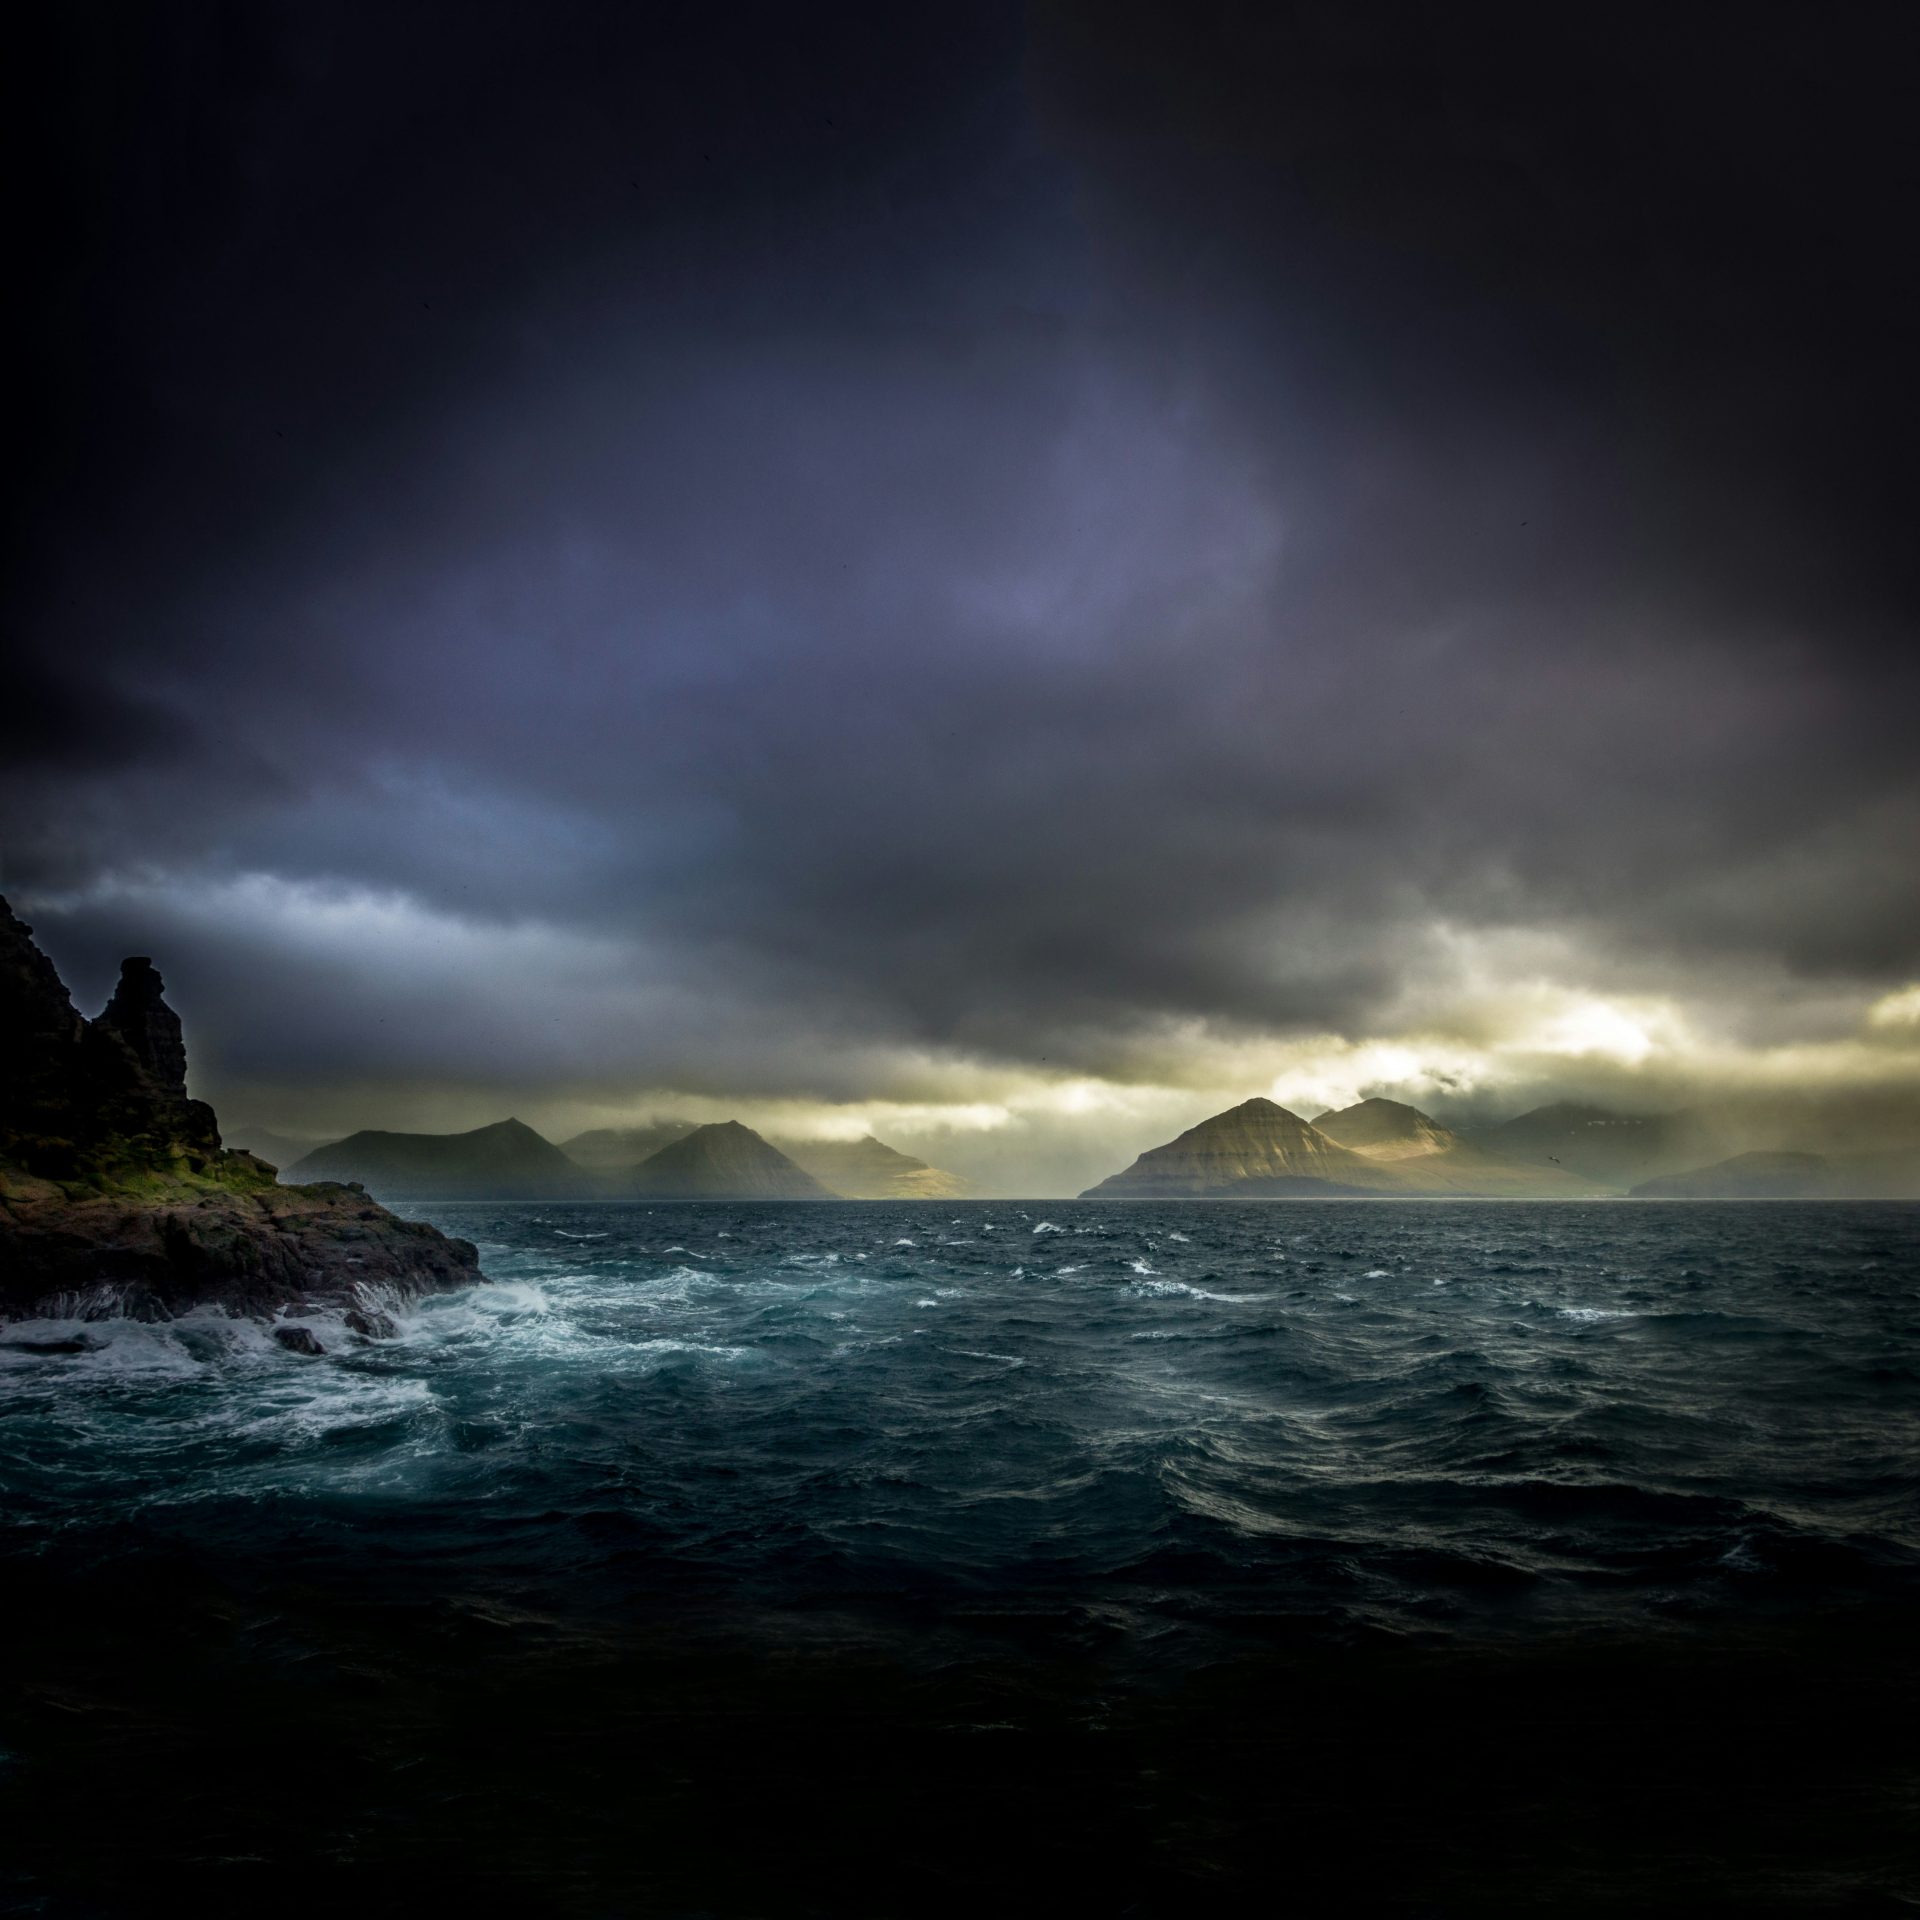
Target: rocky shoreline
{"x": 117, "y": 1197}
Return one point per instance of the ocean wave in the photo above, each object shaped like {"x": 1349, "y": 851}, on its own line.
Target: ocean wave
{"x": 790, "y": 1413}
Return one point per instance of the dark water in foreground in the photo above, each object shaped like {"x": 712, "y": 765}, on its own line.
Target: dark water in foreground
{"x": 873, "y": 1558}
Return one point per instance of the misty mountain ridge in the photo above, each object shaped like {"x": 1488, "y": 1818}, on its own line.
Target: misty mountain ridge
{"x": 1613, "y": 1149}
{"x": 869, "y": 1169}
{"x": 1383, "y": 1148}
{"x": 508, "y": 1160}
{"x": 1376, "y": 1148}
{"x": 609, "y": 1149}
{"x": 724, "y": 1161}
{"x": 1257, "y": 1148}
{"x": 1773, "y": 1175}
{"x": 276, "y": 1149}
{"x": 1432, "y": 1158}
{"x": 505, "y": 1161}
{"x": 1387, "y": 1129}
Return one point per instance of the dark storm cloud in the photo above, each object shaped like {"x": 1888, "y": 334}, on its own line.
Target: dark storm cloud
{"x": 833, "y": 544}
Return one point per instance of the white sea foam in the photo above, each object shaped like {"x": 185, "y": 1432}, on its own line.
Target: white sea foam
{"x": 1047, "y": 1226}
{"x": 664, "y": 1348}
{"x": 1377, "y": 1273}
{"x": 1171, "y": 1289}
{"x": 1586, "y": 1315}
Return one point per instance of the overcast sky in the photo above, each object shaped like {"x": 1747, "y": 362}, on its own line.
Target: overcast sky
{"x": 1011, "y": 576}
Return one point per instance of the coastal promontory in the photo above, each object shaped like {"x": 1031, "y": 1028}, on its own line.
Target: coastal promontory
{"x": 117, "y": 1196}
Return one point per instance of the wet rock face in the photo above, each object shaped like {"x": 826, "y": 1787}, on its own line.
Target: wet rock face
{"x": 40, "y": 1037}
{"x": 298, "y": 1340}
{"x": 92, "y": 1100}
{"x": 151, "y": 1028}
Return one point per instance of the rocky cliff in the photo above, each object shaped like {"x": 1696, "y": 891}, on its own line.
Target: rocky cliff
{"x": 116, "y": 1195}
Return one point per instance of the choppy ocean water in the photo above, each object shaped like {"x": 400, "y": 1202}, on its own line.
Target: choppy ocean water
{"x": 1053, "y": 1455}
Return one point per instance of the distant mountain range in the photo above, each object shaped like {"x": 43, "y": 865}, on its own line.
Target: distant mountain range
{"x": 1791, "y": 1176}
{"x": 1257, "y": 1150}
{"x": 277, "y": 1149}
{"x": 1613, "y": 1149}
{"x": 666, "y": 1160}
{"x": 1384, "y": 1148}
{"x": 506, "y": 1161}
{"x": 1261, "y": 1150}
{"x": 869, "y": 1169}
{"x": 1431, "y": 1158}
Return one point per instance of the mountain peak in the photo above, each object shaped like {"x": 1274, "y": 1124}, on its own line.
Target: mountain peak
{"x": 1257, "y": 1147}
{"x": 869, "y": 1169}
{"x": 724, "y": 1161}
{"x": 1387, "y": 1129}
{"x": 504, "y": 1160}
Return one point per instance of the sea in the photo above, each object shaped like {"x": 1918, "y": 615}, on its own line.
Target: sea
{"x": 1120, "y": 1557}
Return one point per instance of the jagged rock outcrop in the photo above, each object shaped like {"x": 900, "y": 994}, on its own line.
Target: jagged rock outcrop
{"x": 141, "y": 1017}
{"x": 1253, "y": 1151}
{"x": 869, "y": 1169}
{"x": 85, "y": 1099}
{"x": 725, "y": 1161}
{"x": 117, "y": 1196}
